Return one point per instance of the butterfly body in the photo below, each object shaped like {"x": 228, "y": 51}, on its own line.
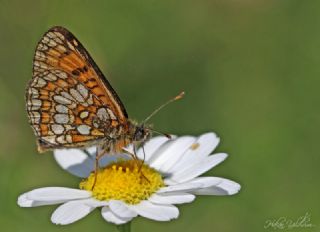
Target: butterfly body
{"x": 71, "y": 104}
{"x": 123, "y": 135}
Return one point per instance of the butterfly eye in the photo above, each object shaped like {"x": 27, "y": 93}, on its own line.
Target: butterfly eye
{"x": 139, "y": 133}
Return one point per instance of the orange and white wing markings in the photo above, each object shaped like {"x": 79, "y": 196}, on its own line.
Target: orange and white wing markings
{"x": 69, "y": 101}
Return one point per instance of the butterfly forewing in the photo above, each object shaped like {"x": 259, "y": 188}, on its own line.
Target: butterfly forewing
{"x": 69, "y": 101}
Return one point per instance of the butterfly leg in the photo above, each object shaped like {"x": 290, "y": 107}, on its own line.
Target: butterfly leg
{"x": 141, "y": 163}
{"x": 99, "y": 154}
{"x": 136, "y": 159}
{"x": 144, "y": 157}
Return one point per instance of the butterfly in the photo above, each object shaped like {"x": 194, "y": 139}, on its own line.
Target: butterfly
{"x": 70, "y": 103}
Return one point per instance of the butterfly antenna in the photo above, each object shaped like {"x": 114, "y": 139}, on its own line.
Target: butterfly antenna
{"x": 163, "y": 105}
{"x": 161, "y": 133}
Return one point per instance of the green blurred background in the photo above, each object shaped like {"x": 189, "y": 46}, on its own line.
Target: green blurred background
{"x": 251, "y": 73}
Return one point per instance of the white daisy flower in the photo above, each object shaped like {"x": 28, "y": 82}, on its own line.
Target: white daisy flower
{"x": 169, "y": 176}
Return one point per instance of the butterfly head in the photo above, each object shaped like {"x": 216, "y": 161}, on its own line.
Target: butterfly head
{"x": 141, "y": 133}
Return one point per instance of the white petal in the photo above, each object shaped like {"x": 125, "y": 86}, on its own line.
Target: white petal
{"x": 201, "y": 148}
{"x": 70, "y": 212}
{"x": 129, "y": 148}
{"x": 54, "y": 194}
{"x": 109, "y": 216}
{"x": 173, "y": 157}
{"x": 23, "y": 201}
{"x": 107, "y": 158}
{"x": 168, "y": 154}
{"x": 150, "y": 147}
{"x": 171, "y": 198}
{"x": 121, "y": 209}
{"x": 207, "y": 143}
{"x": 75, "y": 161}
{"x": 180, "y": 187}
{"x": 94, "y": 202}
{"x": 91, "y": 150}
{"x": 198, "y": 168}
{"x": 226, "y": 187}
{"x": 205, "y": 182}
{"x": 156, "y": 212}
{"x": 81, "y": 163}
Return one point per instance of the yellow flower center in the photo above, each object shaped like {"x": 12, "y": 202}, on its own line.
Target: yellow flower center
{"x": 125, "y": 180}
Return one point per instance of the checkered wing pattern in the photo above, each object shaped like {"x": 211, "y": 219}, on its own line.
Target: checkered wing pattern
{"x": 69, "y": 101}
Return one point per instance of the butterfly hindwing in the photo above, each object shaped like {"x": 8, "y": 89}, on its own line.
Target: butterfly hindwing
{"x": 69, "y": 101}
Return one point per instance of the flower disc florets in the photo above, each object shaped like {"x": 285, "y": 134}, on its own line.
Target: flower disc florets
{"x": 129, "y": 181}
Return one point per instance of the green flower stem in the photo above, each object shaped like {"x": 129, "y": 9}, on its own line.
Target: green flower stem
{"x": 125, "y": 227}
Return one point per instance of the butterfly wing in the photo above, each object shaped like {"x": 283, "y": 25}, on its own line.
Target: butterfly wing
{"x": 69, "y": 101}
